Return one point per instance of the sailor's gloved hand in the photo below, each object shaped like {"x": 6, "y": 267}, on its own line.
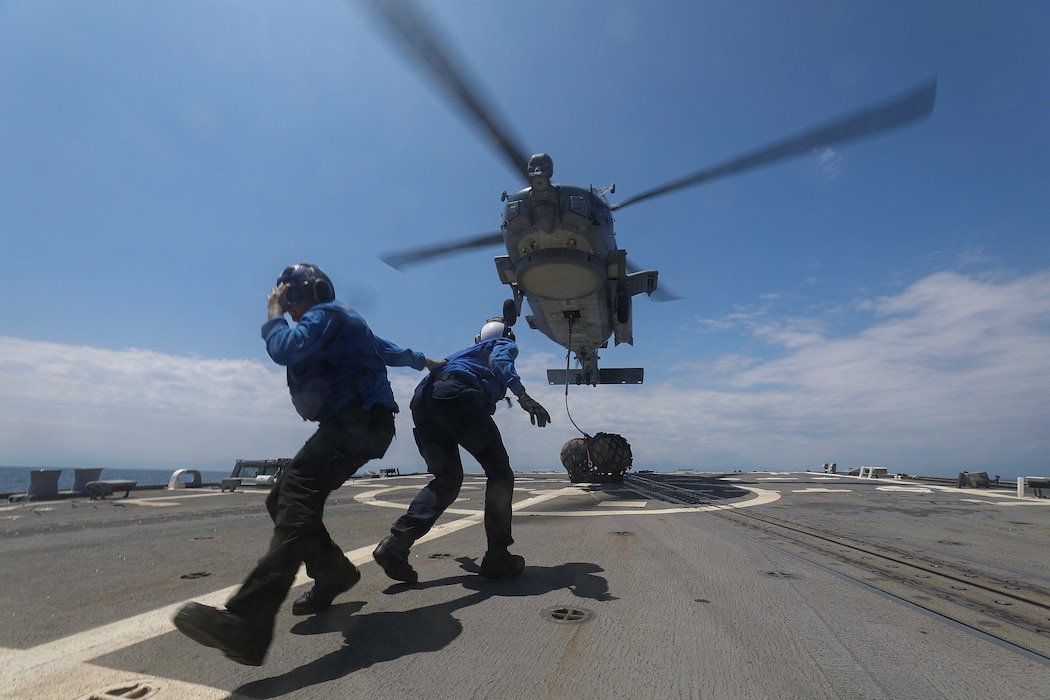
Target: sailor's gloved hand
{"x": 537, "y": 413}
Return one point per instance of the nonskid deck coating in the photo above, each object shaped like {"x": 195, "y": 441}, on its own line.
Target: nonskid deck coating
{"x": 685, "y": 601}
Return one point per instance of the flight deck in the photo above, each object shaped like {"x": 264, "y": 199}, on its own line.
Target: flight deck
{"x": 669, "y": 585}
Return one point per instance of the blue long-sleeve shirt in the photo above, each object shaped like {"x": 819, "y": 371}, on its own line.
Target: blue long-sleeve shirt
{"x": 490, "y": 364}
{"x": 333, "y": 358}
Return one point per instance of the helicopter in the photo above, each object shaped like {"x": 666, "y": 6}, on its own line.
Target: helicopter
{"x": 561, "y": 251}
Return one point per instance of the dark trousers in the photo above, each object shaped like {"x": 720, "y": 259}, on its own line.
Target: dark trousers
{"x": 448, "y": 414}
{"x": 296, "y": 504}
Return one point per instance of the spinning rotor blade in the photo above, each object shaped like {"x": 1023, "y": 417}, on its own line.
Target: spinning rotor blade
{"x": 661, "y": 293}
{"x": 424, "y": 43}
{"x": 399, "y": 261}
{"x": 897, "y": 112}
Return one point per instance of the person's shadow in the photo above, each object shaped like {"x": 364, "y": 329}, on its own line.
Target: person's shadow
{"x": 377, "y": 637}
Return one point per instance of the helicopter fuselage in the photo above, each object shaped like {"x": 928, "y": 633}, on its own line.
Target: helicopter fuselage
{"x": 562, "y": 258}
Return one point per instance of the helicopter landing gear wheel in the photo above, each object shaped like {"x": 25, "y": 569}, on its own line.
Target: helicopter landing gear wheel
{"x": 510, "y": 311}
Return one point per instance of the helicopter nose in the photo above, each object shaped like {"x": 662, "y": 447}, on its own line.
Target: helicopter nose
{"x": 540, "y": 165}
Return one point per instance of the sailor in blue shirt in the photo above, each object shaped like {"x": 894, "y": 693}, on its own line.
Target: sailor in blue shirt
{"x": 336, "y": 371}
{"x": 453, "y": 407}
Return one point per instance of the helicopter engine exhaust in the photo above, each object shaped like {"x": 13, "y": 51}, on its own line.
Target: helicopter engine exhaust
{"x": 601, "y": 458}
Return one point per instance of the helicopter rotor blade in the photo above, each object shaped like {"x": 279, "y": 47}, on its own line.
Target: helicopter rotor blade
{"x": 403, "y": 259}
{"x": 915, "y": 104}
{"x": 422, "y": 40}
{"x": 662, "y": 293}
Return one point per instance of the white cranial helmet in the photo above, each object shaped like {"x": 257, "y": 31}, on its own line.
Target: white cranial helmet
{"x": 494, "y": 328}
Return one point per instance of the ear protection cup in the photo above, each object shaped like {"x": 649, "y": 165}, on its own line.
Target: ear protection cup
{"x": 323, "y": 290}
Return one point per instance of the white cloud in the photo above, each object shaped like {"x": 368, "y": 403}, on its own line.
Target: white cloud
{"x": 952, "y": 373}
{"x": 831, "y": 163}
{"x": 68, "y": 405}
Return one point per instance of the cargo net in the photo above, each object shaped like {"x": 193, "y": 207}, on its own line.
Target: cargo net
{"x": 601, "y": 458}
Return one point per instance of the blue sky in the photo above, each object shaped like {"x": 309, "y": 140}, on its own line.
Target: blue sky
{"x": 882, "y": 303}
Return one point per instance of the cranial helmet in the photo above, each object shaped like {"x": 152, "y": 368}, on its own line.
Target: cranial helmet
{"x": 494, "y": 328}
{"x": 308, "y": 283}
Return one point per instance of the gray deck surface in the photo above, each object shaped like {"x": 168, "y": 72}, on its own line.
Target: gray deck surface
{"x": 801, "y": 585}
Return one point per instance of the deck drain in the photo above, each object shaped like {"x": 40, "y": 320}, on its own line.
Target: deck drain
{"x": 130, "y": 690}
{"x": 439, "y": 555}
{"x": 568, "y": 615}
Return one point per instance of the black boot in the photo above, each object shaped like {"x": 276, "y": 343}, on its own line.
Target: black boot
{"x": 392, "y": 555}
{"x": 239, "y": 639}
{"x": 320, "y": 597}
{"x": 499, "y": 563}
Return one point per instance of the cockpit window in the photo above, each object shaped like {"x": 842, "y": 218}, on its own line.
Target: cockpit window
{"x": 512, "y": 210}
{"x": 578, "y": 205}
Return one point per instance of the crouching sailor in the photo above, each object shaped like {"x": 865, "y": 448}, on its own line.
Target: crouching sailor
{"x": 453, "y": 407}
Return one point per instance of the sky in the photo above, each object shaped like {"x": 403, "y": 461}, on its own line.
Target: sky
{"x": 881, "y": 303}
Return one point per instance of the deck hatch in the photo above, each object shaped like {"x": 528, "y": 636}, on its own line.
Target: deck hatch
{"x": 568, "y": 615}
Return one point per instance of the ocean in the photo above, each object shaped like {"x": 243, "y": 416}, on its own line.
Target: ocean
{"x": 16, "y": 479}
